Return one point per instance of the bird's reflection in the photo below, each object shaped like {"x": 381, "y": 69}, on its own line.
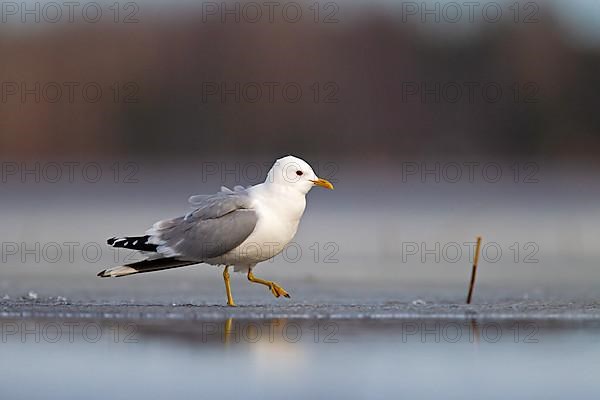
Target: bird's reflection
{"x": 249, "y": 332}
{"x": 231, "y": 332}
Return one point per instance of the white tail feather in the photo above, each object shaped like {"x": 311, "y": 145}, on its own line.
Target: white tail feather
{"x": 118, "y": 271}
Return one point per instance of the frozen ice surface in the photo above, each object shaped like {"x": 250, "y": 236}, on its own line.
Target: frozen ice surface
{"x": 308, "y": 304}
{"x": 516, "y": 350}
{"x": 172, "y": 338}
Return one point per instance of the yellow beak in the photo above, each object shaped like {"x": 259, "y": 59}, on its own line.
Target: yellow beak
{"x": 323, "y": 183}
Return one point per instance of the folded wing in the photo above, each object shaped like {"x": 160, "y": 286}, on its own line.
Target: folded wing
{"x": 218, "y": 225}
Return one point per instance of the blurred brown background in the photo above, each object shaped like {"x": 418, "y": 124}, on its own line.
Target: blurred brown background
{"x": 370, "y": 64}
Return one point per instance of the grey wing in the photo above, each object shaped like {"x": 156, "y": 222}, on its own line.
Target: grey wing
{"x": 219, "y": 224}
{"x": 199, "y": 199}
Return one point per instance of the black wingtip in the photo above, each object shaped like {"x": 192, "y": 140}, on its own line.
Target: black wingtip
{"x": 102, "y": 274}
{"x": 133, "y": 243}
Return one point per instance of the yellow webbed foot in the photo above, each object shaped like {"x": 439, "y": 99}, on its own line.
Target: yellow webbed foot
{"x": 278, "y": 290}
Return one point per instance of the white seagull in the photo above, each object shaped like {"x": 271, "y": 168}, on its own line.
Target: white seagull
{"x": 239, "y": 227}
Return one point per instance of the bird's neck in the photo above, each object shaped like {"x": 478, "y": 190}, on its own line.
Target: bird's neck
{"x": 288, "y": 202}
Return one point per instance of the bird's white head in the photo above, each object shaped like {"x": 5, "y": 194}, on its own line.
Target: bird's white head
{"x": 295, "y": 173}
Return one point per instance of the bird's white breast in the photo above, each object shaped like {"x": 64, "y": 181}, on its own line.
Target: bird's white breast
{"x": 279, "y": 212}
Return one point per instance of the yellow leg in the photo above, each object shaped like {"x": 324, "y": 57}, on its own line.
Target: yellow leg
{"x": 275, "y": 288}
{"x": 228, "y": 287}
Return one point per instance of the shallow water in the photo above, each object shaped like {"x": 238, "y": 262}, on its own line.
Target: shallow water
{"x": 107, "y": 355}
{"x": 369, "y": 343}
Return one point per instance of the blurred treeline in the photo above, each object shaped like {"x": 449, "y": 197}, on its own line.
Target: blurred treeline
{"x": 168, "y": 61}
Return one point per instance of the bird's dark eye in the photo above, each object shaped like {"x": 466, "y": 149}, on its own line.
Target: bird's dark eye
{"x": 299, "y": 173}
